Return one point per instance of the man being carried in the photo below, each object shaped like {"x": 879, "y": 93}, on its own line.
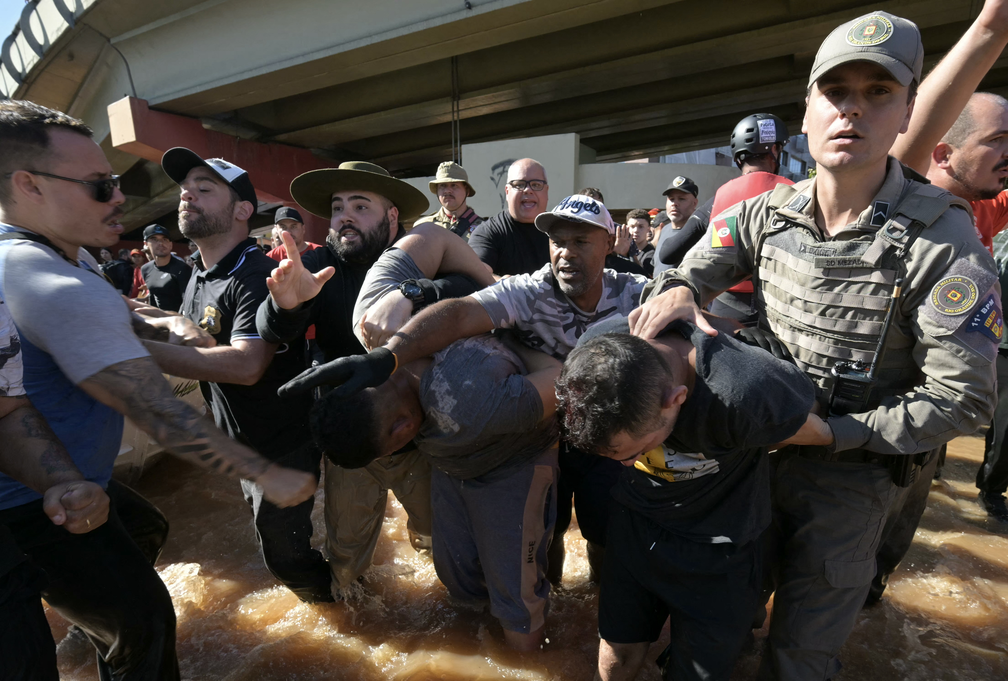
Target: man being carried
{"x": 550, "y": 309}
{"x": 835, "y": 255}
{"x": 452, "y": 188}
{"x": 692, "y": 416}
{"x": 483, "y": 414}
{"x": 239, "y": 377}
{"x": 167, "y": 275}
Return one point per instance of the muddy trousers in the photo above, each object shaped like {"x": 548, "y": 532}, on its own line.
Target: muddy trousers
{"x": 105, "y": 583}
{"x": 992, "y": 478}
{"x": 355, "y": 508}
{"x": 829, "y": 517}
{"x": 284, "y": 534}
{"x": 490, "y": 537}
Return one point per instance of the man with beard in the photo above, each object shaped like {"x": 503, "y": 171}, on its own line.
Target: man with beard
{"x": 167, "y": 275}
{"x": 239, "y": 377}
{"x": 549, "y": 309}
{"x": 509, "y": 241}
{"x": 365, "y": 207}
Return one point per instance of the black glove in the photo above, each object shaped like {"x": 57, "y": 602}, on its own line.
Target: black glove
{"x": 765, "y": 340}
{"x": 352, "y": 374}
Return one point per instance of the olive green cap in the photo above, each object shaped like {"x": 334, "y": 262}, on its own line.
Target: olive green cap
{"x": 892, "y": 42}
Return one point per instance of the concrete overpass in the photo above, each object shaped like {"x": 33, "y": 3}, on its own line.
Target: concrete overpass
{"x": 306, "y": 83}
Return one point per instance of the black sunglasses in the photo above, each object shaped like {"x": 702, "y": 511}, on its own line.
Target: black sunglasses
{"x": 103, "y": 189}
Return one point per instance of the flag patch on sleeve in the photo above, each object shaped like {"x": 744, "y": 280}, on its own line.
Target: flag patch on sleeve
{"x": 723, "y": 232}
{"x": 988, "y": 320}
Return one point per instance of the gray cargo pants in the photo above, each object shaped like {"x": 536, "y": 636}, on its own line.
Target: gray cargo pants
{"x": 830, "y": 517}
{"x": 355, "y": 508}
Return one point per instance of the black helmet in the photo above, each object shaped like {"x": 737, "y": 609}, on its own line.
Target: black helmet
{"x": 756, "y": 134}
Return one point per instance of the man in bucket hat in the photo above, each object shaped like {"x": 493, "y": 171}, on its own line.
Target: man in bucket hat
{"x": 366, "y": 208}
{"x": 451, "y": 186}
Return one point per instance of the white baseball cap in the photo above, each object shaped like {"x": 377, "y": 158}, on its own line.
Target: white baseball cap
{"x": 577, "y": 208}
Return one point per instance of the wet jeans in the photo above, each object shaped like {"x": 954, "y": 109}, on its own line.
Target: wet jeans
{"x": 105, "y": 583}
{"x": 284, "y": 534}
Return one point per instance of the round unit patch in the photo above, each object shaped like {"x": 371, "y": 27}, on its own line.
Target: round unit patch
{"x": 678, "y": 181}
{"x": 723, "y": 232}
{"x": 870, "y": 31}
{"x": 954, "y": 295}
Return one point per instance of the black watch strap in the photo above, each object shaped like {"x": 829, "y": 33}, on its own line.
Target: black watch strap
{"x": 411, "y": 291}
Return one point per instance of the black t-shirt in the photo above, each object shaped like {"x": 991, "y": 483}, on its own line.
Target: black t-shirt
{"x": 673, "y": 244}
{"x": 166, "y": 284}
{"x": 743, "y": 400}
{"x": 120, "y": 274}
{"x": 224, "y": 300}
{"x": 509, "y": 246}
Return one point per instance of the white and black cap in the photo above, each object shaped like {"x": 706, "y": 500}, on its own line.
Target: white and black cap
{"x": 577, "y": 208}
{"x": 177, "y": 163}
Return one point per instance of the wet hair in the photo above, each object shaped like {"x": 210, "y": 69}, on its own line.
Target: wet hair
{"x": 347, "y": 429}
{"x": 613, "y": 383}
{"x": 966, "y": 124}
{"x": 593, "y": 192}
{"x": 638, "y": 214}
{"x": 24, "y": 137}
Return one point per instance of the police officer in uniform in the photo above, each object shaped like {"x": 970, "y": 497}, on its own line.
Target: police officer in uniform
{"x": 828, "y": 258}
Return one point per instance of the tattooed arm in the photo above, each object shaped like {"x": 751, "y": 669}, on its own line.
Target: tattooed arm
{"x": 136, "y": 388}
{"x": 33, "y": 455}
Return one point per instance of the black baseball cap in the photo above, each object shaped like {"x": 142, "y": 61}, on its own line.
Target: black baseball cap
{"x": 287, "y": 213}
{"x": 660, "y": 218}
{"x": 152, "y": 230}
{"x": 177, "y": 163}
{"x": 683, "y": 184}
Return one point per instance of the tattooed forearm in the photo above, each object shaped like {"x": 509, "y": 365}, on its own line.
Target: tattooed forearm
{"x": 137, "y": 389}
{"x": 147, "y": 331}
{"x": 30, "y": 452}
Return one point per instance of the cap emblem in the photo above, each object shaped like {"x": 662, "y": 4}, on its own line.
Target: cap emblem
{"x": 871, "y": 30}
{"x": 678, "y": 182}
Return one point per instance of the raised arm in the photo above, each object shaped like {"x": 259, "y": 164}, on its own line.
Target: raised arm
{"x": 136, "y": 389}
{"x": 944, "y": 93}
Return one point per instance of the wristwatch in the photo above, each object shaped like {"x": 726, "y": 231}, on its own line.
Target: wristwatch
{"x": 411, "y": 291}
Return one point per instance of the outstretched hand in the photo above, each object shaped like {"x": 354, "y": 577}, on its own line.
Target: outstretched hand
{"x": 651, "y": 318}
{"x": 290, "y": 284}
{"x": 623, "y": 240}
{"x": 351, "y": 374}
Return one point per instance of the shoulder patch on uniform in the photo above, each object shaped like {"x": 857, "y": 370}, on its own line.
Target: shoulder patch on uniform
{"x": 799, "y": 202}
{"x": 724, "y": 232}
{"x": 954, "y": 295}
{"x": 988, "y": 320}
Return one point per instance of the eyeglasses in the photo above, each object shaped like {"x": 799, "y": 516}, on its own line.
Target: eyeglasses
{"x": 521, "y": 185}
{"x": 103, "y": 189}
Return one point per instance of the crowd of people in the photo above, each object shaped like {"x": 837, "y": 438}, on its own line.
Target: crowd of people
{"x": 744, "y": 398}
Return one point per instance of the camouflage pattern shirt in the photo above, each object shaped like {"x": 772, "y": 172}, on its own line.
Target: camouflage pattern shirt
{"x": 544, "y": 318}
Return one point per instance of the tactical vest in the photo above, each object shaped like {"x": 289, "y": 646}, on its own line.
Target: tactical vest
{"x": 827, "y": 299}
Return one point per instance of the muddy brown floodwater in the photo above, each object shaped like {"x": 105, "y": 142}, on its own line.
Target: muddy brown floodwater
{"x": 944, "y": 615}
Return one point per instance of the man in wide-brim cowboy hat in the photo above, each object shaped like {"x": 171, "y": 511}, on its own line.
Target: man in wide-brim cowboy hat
{"x": 452, "y": 188}
{"x": 366, "y": 208}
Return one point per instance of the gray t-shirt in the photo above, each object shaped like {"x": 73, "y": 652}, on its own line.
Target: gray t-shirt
{"x": 545, "y": 318}
{"x": 391, "y": 269}
{"x": 482, "y": 415}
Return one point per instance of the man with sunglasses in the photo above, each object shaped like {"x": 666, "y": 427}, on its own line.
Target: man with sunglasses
{"x": 509, "y": 241}
{"x": 58, "y": 195}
